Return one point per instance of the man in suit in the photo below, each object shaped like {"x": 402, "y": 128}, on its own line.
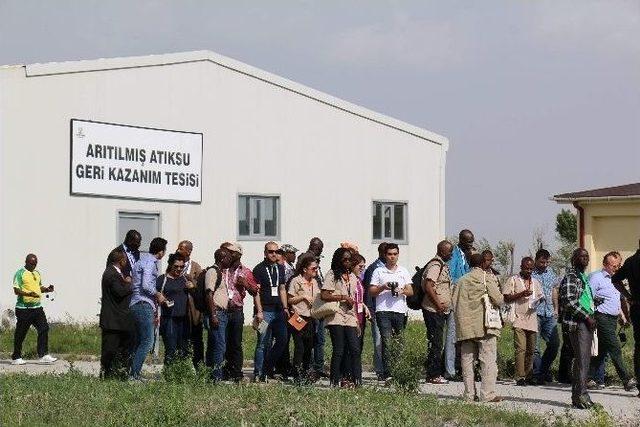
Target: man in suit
{"x": 115, "y": 319}
{"x": 130, "y": 247}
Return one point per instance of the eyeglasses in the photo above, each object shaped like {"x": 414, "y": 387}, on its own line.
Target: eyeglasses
{"x": 178, "y": 266}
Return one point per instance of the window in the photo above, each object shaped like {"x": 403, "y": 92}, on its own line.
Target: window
{"x": 258, "y": 217}
{"x": 390, "y": 222}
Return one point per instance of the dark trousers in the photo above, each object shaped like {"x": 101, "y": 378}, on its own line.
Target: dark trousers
{"x": 318, "y": 347}
{"x": 197, "y": 344}
{"x": 26, "y": 317}
{"x": 634, "y": 314}
{"x": 390, "y": 324}
{"x": 283, "y": 365}
{"x": 302, "y": 346}
{"x": 435, "y": 323}
{"x": 115, "y": 355}
{"x": 347, "y": 372}
{"x": 233, "y": 353}
{"x": 566, "y": 357}
{"x": 175, "y": 337}
{"x": 580, "y": 337}
{"x": 608, "y": 344}
{"x": 342, "y": 336}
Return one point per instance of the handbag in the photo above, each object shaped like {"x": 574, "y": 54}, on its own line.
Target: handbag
{"x": 491, "y": 314}
{"x": 321, "y": 309}
{"x": 297, "y": 322}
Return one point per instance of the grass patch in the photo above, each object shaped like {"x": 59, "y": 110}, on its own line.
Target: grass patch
{"x": 77, "y": 341}
{"x": 73, "y": 399}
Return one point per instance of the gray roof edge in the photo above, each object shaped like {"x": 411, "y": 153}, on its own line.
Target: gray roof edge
{"x": 106, "y": 64}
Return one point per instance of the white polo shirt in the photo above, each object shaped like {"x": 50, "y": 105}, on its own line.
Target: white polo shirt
{"x": 385, "y": 301}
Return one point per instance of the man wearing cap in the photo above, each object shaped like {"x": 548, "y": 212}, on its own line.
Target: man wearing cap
{"x": 289, "y": 255}
{"x": 239, "y": 280}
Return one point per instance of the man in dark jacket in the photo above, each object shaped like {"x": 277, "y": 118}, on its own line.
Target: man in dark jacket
{"x": 115, "y": 320}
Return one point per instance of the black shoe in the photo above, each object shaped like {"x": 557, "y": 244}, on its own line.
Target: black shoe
{"x": 583, "y": 403}
{"x": 455, "y": 378}
{"x": 322, "y": 374}
{"x": 521, "y": 382}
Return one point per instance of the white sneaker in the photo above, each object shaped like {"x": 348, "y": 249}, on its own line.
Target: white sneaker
{"x": 47, "y": 359}
{"x": 19, "y": 361}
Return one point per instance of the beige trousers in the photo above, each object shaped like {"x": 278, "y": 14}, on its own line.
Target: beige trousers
{"x": 525, "y": 344}
{"x": 486, "y": 350}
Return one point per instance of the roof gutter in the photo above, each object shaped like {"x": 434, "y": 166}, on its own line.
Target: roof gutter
{"x": 580, "y": 210}
{"x": 594, "y": 199}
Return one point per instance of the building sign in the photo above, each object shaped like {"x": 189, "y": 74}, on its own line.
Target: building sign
{"x": 134, "y": 162}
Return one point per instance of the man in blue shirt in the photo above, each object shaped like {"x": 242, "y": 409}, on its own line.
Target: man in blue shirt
{"x": 371, "y": 305}
{"x": 458, "y": 267}
{"x": 608, "y": 307}
{"x": 143, "y": 306}
{"x": 547, "y": 318}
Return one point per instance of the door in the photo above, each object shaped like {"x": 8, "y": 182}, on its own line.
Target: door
{"x": 147, "y": 224}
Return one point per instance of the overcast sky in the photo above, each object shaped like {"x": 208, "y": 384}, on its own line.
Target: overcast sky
{"x": 536, "y": 97}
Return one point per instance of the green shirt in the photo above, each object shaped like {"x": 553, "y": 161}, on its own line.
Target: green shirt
{"x": 28, "y": 281}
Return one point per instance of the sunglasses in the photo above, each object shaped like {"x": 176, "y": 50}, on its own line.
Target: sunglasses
{"x": 178, "y": 266}
{"x": 272, "y": 251}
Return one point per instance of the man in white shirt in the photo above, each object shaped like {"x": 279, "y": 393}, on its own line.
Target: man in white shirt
{"x": 390, "y": 286}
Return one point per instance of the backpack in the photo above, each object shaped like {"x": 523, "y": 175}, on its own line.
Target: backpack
{"x": 414, "y": 302}
{"x": 200, "y": 293}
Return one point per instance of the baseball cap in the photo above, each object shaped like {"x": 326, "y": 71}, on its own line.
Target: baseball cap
{"x": 235, "y": 247}
{"x": 287, "y": 248}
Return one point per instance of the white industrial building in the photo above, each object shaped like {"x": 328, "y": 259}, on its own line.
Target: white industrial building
{"x": 201, "y": 147}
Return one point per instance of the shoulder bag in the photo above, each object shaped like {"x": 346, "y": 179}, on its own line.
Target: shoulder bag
{"x": 491, "y": 314}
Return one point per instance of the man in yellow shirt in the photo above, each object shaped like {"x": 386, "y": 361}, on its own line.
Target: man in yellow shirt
{"x": 27, "y": 285}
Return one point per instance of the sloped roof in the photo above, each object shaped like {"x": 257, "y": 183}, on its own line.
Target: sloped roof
{"x": 618, "y": 192}
{"x": 107, "y": 64}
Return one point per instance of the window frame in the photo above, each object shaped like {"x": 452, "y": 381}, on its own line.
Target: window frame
{"x": 392, "y": 204}
{"x": 261, "y": 236}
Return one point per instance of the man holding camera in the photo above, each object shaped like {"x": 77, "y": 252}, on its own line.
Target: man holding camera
{"x": 390, "y": 286}
{"x": 27, "y": 285}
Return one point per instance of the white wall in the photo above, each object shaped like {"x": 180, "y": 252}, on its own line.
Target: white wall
{"x": 327, "y": 165}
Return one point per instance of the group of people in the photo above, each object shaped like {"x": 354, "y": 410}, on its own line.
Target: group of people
{"x": 465, "y": 303}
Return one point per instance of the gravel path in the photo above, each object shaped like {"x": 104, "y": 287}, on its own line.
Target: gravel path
{"x": 551, "y": 401}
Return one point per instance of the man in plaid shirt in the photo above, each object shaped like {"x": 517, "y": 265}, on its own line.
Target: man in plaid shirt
{"x": 577, "y": 316}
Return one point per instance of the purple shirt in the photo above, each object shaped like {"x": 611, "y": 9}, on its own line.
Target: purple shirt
{"x": 601, "y": 286}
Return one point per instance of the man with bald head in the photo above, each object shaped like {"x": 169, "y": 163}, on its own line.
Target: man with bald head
{"x": 578, "y": 306}
{"x": 436, "y": 305}
{"x": 191, "y": 272}
{"x": 458, "y": 267}
{"x": 27, "y": 285}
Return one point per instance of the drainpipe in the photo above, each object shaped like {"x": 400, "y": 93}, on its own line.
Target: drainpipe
{"x": 580, "y": 210}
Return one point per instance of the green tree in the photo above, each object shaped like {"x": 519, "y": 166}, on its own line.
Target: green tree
{"x": 567, "y": 226}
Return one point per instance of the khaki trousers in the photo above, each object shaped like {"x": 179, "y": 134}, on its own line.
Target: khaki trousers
{"x": 486, "y": 349}
{"x": 525, "y": 344}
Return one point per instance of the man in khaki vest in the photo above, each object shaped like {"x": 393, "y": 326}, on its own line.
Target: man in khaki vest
{"x": 436, "y": 305}
{"x": 471, "y": 333}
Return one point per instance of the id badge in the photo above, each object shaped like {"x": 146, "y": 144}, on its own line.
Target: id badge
{"x": 360, "y": 308}
{"x": 230, "y": 293}
{"x": 274, "y": 291}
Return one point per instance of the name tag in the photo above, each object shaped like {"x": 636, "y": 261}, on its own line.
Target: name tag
{"x": 360, "y": 308}
{"x": 274, "y": 291}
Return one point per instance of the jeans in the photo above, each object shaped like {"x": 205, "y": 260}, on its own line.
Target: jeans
{"x": 598, "y": 371}
{"x": 278, "y": 330}
{"x": 450, "y": 346}
{"x": 435, "y": 341}
{"x": 341, "y": 337}
{"x": 143, "y": 316}
{"x": 216, "y": 343}
{"x": 580, "y": 337}
{"x": 233, "y": 353}
{"x": 175, "y": 337}
{"x": 548, "y": 331}
{"x": 377, "y": 346}
{"x": 26, "y": 317}
{"x": 391, "y": 324}
{"x": 318, "y": 347}
{"x": 608, "y": 344}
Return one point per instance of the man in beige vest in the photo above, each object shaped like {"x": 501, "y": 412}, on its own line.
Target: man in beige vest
{"x": 471, "y": 333}
{"x": 436, "y": 305}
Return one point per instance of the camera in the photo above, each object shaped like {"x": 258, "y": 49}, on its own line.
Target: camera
{"x": 394, "y": 288}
